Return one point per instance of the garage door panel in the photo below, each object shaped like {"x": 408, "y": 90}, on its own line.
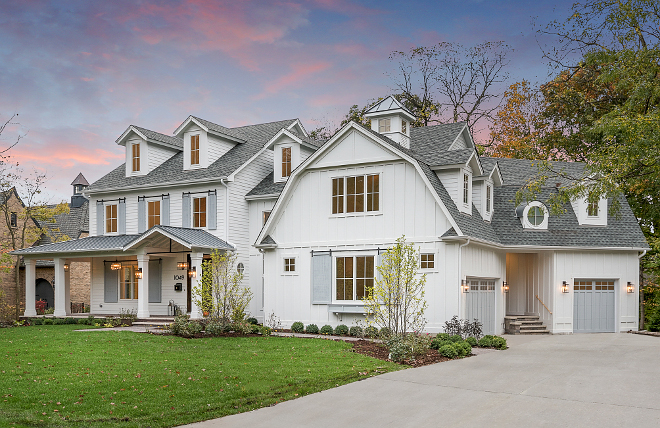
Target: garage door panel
{"x": 593, "y": 308}
{"x": 480, "y": 303}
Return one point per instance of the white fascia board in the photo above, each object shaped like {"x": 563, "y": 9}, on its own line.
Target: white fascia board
{"x": 526, "y": 248}
{"x": 121, "y": 140}
{"x": 299, "y": 123}
{"x": 330, "y": 143}
{"x": 155, "y": 186}
{"x": 466, "y": 130}
{"x": 226, "y": 136}
{"x": 185, "y": 124}
{"x": 474, "y": 162}
{"x": 262, "y": 197}
{"x": 496, "y": 175}
{"x": 448, "y": 166}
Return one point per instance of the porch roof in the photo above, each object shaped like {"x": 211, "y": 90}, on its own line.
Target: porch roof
{"x": 190, "y": 238}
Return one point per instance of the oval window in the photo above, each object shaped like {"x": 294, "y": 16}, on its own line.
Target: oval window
{"x": 240, "y": 268}
{"x": 535, "y": 216}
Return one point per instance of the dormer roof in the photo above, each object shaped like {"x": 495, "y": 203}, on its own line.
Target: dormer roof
{"x": 209, "y": 127}
{"x": 389, "y": 105}
{"x": 151, "y": 137}
{"x": 80, "y": 179}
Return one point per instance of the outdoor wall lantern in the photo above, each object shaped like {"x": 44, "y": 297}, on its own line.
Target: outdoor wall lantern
{"x": 182, "y": 265}
{"x": 66, "y": 267}
{"x": 192, "y": 273}
{"x": 138, "y": 273}
{"x": 630, "y": 287}
{"x": 115, "y": 266}
{"x": 505, "y": 286}
{"x": 564, "y": 287}
{"x": 465, "y": 285}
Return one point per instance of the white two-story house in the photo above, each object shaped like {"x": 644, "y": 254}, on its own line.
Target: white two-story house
{"x": 309, "y": 222}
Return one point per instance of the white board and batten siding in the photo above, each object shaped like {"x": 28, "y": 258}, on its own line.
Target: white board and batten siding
{"x": 530, "y": 275}
{"x": 484, "y": 265}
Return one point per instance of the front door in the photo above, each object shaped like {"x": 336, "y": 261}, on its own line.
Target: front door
{"x": 44, "y": 291}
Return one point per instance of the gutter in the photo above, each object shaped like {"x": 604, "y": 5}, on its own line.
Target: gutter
{"x": 642, "y": 255}
{"x": 536, "y": 247}
{"x": 223, "y": 181}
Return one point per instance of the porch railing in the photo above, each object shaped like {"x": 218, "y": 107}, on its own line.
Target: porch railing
{"x": 546, "y": 308}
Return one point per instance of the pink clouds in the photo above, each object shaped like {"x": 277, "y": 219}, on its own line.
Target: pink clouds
{"x": 299, "y": 75}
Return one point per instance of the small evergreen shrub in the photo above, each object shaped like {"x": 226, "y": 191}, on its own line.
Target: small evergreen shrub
{"x": 48, "y": 321}
{"x": 472, "y": 341}
{"x": 371, "y": 331}
{"x": 297, "y": 327}
{"x": 241, "y": 327}
{"x": 385, "y": 333}
{"x": 327, "y": 329}
{"x": 356, "y": 331}
{"x": 312, "y": 329}
{"x": 399, "y": 348}
{"x": 58, "y": 321}
{"x": 485, "y": 342}
{"x": 455, "y": 338}
{"x": 463, "y": 349}
{"x": 227, "y": 328}
{"x": 442, "y": 336}
{"x": 214, "y": 328}
{"x": 190, "y": 329}
{"x": 83, "y": 321}
{"x": 252, "y": 321}
{"x": 176, "y": 327}
{"x": 341, "y": 330}
{"x": 437, "y": 343}
{"x": 266, "y": 331}
{"x": 255, "y": 329}
{"x": 498, "y": 342}
{"x": 448, "y": 351}
{"x": 37, "y": 321}
{"x": 70, "y": 321}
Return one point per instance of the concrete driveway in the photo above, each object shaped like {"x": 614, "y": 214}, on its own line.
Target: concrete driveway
{"x": 600, "y": 380}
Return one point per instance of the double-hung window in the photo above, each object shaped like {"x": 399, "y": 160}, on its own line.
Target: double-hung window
{"x": 356, "y": 194}
{"x": 354, "y": 276}
{"x": 489, "y": 193}
{"x": 194, "y": 150}
{"x": 136, "y": 157}
{"x": 153, "y": 214}
{"x": 128, "y": 287}
{"x": 111, "y": 218}
{"x": 592, "y": 207}
{"x": 383, "y": 125}
{"x": 199, "y": 212}
{"x": 466, "y": 188}
{"x": 286, "y": 161}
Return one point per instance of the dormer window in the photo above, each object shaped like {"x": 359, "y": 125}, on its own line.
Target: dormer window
{"x": 533, "y": 215}
{"x": 383, "y": 125}
{"x": 404, "y": 127}
{"x": 489, "y": 196}
{"x": 466, "y": 188}
{"x": 286, "y": 161}
{"x": 194, "y": 149}
{"x": 136, "y": 157}
{"x": 592, "y": 209}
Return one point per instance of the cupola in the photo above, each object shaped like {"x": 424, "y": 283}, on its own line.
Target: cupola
{"x": 390, "y": 118}
{"x": 79, "y": 185}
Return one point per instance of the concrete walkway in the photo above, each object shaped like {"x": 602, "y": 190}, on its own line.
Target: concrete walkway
{"x": 599, "y": 380}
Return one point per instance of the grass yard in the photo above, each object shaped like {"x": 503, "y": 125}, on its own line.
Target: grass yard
{"x": 53, "y": 376}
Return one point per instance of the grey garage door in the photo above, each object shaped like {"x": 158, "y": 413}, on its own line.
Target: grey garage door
{"x": 480, "y": 301}
{"x": 593, "y": 306}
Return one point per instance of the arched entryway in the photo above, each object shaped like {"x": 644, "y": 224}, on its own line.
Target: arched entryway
{"x": 44, "y": 291}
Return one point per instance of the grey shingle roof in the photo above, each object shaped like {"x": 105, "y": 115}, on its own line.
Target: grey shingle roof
{"x": 90, "y": 243}
{"x": 431, "y": 141}
{"x": 193, "y": 237}
{"x": 256, "y": 136}
{"x": 267, "y": 187}
{"x": 268, "y": 240}
{"x": 71, "y": 225}
{"x": 519, "y": 171}
{"x": 157, "y": 136}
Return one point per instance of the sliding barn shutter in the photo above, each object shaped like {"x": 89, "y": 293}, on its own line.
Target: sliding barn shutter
{"x": 121, "y": 217}
{"x": 165, "y": 211}
{"x": 321, "y": 278}
{"x": 213, "y": 211}
{"x": 155, "y": 279}
{"x": 379, "y": 261}
{"x": 142, "y": 214}
{"x": 185, "y": 210}
{"x": 99, "y": 218}
{"x": 110, "y": 284}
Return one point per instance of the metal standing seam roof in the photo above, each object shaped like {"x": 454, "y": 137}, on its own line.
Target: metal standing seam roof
{"x": 192, "y": 237}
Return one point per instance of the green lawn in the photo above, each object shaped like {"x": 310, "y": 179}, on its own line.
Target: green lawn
{"x": 55, "y": 376}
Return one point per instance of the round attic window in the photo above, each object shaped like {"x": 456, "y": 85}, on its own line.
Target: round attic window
{"x": 535, "y": 216}
{"x": 240, "y": 268}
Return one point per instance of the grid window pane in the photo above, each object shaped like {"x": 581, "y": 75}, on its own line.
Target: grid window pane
{"x": 136, "y": 157}
{"x": 488, "y": 198}
{"x": 111, "y": 218}
{"x": 286, "y": 161}
{"x": 383, "y": 125}
{"x": 373, "y": 189}
{"x": 364, "y": 276}
{"x": 337, "y": 195}
{"x": 355, "y": 194}
{"x": 535, "y": 216}
{"x": 428, "y": 261}
{"x": 199, "y": 212}
{"x": 194, "y": 150}
{"x": 153, "y": 213}
{"x": 344, "y": 278}
{"x": 128, "y": 283}
{"x": 290, "y": 265}
{"x": 466, "y": 188}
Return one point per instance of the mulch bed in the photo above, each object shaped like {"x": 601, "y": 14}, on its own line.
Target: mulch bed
{"x": 378, "y": 350}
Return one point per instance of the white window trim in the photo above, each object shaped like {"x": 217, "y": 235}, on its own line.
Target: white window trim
{"x": 355, "y": 302}
{"x": 435, "y": 261}
{"x": 363, "y": 213}
{"x": 289, "y": 273}
{"x": 120, "y": 280}
{"x": 192, "y": 212}
{"x": 525, "y": 221}
{"x": 105, "y": 219}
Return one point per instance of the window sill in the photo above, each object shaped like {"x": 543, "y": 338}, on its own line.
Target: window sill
{"x": 362, "y": 214}
{"x": 289, "y": 274}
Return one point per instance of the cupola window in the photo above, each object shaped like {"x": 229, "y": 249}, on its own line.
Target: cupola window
{"x": 383, "y": 125}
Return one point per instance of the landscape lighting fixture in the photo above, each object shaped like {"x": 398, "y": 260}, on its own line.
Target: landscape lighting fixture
{"x": 564, "y": 287}
{"x": 138, "y": 273}
{"x": 630, "y": 287}
{"x": 115, "y": 266}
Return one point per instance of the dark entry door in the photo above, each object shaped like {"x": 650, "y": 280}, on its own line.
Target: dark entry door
{"x": 44, "y": 291}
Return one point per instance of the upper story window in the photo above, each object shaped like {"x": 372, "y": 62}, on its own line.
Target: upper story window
{"x": 354, "y": 277}
{"x": 153, "y": 214}
{"x": 489, "y": 196}
{"x": 199, "y": 212}
{"x": 194, "y": 149}
{"x": 290, "y": 265}
{"x": 592, "y": 208}
{"x": 286, "y": 161}
{"x": 535, "y": 216}
{"x": 427, "y": 261}
{"x": 404, "y": 126}
{"x": 111, "y": 218}
{"x": 136, "y": 157}
{"x": 348, "y": 194}
{"x": 264, "y": 217}
{"x": 13, "y": 220}
{"x": 466, "y": 188}
{"x": 383, "y": 125}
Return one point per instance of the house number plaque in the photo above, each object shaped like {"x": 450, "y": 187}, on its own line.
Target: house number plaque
{"x": 179, "y": 277}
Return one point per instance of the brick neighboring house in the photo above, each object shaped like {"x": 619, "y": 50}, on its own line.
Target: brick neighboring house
{"x": 73, "y": 225}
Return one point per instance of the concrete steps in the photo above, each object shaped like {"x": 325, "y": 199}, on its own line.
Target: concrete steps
{"x": 524, "y": 324}
{"x": 154, "y": 322}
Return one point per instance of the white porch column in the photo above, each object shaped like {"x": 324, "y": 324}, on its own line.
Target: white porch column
{"x": 60, "y": 288}
{"x": 196, "y": 263}
{"x": 30, "y": 280}
{"x": 67, "y": 289}
{"x": 143, "y": 288}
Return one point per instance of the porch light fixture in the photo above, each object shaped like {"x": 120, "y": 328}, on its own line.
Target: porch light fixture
{"x": 564, "y": 287}
{"x": 192, "y": 273}
{"x": 465, "y": 286}
{"x": 630, "y": 287}
{"x": 66, "y": 267}
{"x": 115, "y": 266}
{"x": 505, "y": 286}
{"x": 182, "y": 265}
{"x": 138, "y": 273}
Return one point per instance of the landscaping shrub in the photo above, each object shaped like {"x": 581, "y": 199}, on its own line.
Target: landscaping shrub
{"x": 252, "y": 321}
{"x": 438, "y": 343}
{"x": 399, "y": 349}
{"x": 48, "y": 321}
{"x": 214, "y": 328}
{"x": 190, "y": 329}
{"x": 341, "y": 330}
{"x": 327, "y": 329}
{"x": 448, "y": 351}
{"x": 486, "y": 342}
{"x": 297, "y": 327}
{"x": 241, "y": 327}
{"x": 70, "y": 321}
{"x": 266, "y": 331}
{"x": 463, "y": 349}
{"x": 371, "y": 331}
{"x": 255, "y": 329}
{"x": 178, "y": 324}
{"x": 385, "y": 333}
{"x": 463, "y": 328}
{"x": 472, "y": 341}
{"x": 498, "y": 342}
{"x": 58, "y": 321}
{"x": 312, "y": 329}
{"x": 37, "y": 321}
{"x": 83, "y": 321}
{"x": 442, "y": 336}
{"x": 455, "y": 338}
{"x": 356, "y": 331}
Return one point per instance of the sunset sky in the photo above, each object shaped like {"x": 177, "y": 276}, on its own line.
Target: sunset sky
{"x": 78, "y": 73}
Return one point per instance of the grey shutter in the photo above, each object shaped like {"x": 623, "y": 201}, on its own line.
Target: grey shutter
{"x": 165, "y": 211}
{"x": 142, "y": 215}
{"x": 321, "y": 278}
{"x": 121, "y": 214}
{"x": 379, "y": 261}
{"x": 185, "y": 210}
{"x": 110, "y": 284}
{"x": 213, "y": 211}
{"x": 99, "y": 218}
{"x": 155, "y": 276}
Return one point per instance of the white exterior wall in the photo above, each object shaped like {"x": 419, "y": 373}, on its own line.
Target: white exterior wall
{"x": 479, "y": 197}
{"x": 452, "y": 179}
{"x": 256, "y": 209}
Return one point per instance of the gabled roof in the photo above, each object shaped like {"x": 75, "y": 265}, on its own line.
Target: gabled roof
{"x": 189, "y": 238}
{"x": 386, "y": 105}
{"x": 152, "y": 137}
{"x": 70, "y": 225}
{"x": 266, "y": 187}
{"x": 171, "y": 171}
{"x": 433, "y": 142}
{"x": 210, "y": 127}
{"x": 80, "y": 179}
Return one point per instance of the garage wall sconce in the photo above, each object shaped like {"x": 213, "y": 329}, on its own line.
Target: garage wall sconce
{"x": 630, "y": 287}
{"x": 66, "y": 267}
{"x": 192, "y": 273}
{"x": 138, "y": 273}
{"x": 505, "y": 286}
{"x": 465, "y": 286}
{"x": 564, "y": 287}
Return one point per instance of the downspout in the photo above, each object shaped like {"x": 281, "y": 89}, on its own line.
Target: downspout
{"x": 460, "y": 274}
{"x": 223, "y": 181}
{"x": 642, "y": 314}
